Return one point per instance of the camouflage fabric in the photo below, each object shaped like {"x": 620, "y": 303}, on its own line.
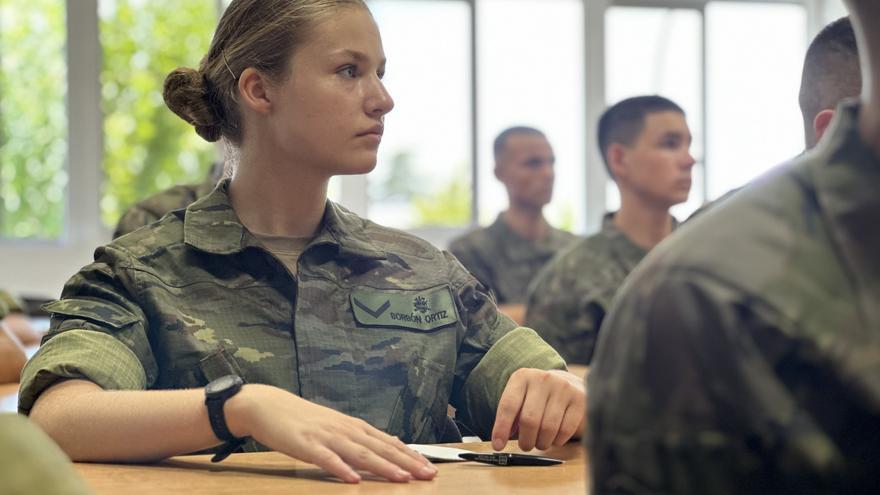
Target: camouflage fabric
{"x": 504, "y": 261}
{"x": 30, "y": 463}
{"x": 568, "y": 298}
{"x": 377, "y": 324}
{"x": 743, "y": 354}
{"x": 8, "y": 302}
{"x": 158, "y": 205}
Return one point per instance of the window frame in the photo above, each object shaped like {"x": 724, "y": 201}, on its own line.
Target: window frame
{"x": 36, "y": 265}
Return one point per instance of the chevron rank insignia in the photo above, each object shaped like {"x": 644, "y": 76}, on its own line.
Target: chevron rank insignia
{"x": 414, "y": 310}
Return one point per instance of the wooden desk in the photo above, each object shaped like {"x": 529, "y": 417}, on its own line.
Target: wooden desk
{"x": 271, "y": 472}
{"x": 579, "y": 370}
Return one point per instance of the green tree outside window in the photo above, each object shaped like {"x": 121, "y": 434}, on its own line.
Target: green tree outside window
{"x": 33, "y": 118}
{"x": 146, "y": 147}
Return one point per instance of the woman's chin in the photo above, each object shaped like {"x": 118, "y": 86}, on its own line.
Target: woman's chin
{"x": 356, "y": 168}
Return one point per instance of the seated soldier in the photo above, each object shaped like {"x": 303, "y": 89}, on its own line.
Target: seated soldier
{"x": 266, "y": 316}
{"x": 645, "y": 142}
{"x": 506, "y": 255}
{"x": 743, "y": 356}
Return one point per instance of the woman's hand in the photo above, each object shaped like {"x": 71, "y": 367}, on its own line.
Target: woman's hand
{"x": 546, "y": 408}
{"x": 324, "y": 437}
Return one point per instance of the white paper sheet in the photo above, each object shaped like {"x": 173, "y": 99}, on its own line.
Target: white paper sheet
{"x": 435, "y": 453}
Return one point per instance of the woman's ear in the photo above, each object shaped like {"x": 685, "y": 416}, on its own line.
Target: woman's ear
{"x": 254, "y": 91}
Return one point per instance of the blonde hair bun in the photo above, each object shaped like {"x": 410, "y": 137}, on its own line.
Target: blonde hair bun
{"x": 187, "y": 94}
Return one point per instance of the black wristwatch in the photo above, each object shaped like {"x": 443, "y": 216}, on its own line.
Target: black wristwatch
{"x": 216, "y": 394}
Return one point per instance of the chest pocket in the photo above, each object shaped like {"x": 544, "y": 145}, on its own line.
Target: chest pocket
{"x": 424, "y": 310}
{"x": 407, "y": 348}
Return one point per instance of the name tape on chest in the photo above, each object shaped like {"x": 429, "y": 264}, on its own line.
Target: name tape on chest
{"x": 423, "y": 310}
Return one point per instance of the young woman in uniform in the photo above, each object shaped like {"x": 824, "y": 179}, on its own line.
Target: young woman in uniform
{"x": 349, "y": 338}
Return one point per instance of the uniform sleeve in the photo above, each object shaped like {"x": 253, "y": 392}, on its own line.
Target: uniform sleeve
{"x": 682, "y": 400}
{"x": 493, "y": 348}
{"x": 564, "y": 314}
{"x": 97, "y": 333}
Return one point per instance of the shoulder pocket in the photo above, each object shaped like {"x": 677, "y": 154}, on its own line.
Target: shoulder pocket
{"x": 98, "y": 312}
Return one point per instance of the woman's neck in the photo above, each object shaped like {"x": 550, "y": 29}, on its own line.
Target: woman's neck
{"x": 276, "y": 197}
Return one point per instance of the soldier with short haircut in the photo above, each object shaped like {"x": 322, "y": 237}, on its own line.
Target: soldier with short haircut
{"x": 264, "y": 315}
{"x": 645, "y": 143}
{"x": 831, "y": 73}
{"x": 743, "y": 356}
{"x": 506, "y": 255}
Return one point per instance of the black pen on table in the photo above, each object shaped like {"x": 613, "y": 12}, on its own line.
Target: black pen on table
{"x": 503, "y": 459}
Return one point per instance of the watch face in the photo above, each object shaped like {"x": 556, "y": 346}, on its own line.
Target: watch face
{"x": 222, "y": 384}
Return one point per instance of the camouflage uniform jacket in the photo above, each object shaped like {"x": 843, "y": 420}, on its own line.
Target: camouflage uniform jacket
{"x": 158, "y": 205}
{"x": 504, "y": 261}
{"x": 568, "y": 298}
{"x": 743, "y": 355}
{"x": 377, "y": 324}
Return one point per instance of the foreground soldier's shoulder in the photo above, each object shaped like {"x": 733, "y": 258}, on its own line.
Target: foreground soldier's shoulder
{"x": 746, "y": 240}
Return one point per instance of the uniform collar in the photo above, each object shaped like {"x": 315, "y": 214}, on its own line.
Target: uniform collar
{"x": 613, "y": 233}
{"x": 520, "y": 249}
{"x": 211, "y": 225}
{"x": 846, "y": 174}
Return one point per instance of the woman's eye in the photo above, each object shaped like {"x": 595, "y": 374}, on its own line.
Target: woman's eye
{"x": 349, "y": 71}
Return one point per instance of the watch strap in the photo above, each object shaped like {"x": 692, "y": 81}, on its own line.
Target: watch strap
{"x": 218, "y": 420}
{"x": 226, "y": 449}
{"x": 215, "y": 400}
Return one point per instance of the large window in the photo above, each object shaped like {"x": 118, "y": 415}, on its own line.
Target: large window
{"x": 658, "y": 51}
{"x": 756, "y": 53}
{"x": 460, "y": 71}
{"x": 146, "y": 147}
{"x": 531, "y": 72}
{"x": 423, "y": 177}
{"x": 33, "y": 119}
{"x": 753, "y": 54}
